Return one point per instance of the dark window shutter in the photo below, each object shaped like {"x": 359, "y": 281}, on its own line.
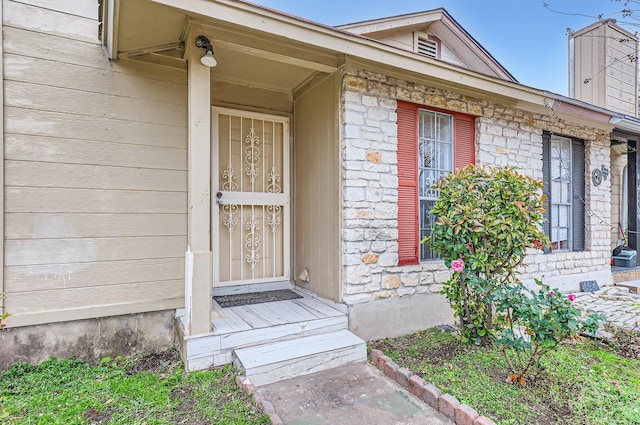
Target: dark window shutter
{"x": 546, "y": 177}
{"x": 407, "y": 184}
{"x": 464, "y": 141}
{"x": 578, "y": 207}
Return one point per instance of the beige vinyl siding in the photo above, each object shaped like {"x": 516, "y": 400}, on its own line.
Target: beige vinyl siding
{"x": 317, "y": 194}
{"x": 589, "y": 59}
{"x": 51, "y": 20}
{"x": 603, "y": 62}
{"x": 95, "y": 171}
{"x": 401, "y": 41}
{"x": 621, "y": 75}
{"x": 224, "y": 93}
{"x": 450, "y": 56}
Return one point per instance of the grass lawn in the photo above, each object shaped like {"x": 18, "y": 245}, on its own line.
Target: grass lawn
{"x": 581, "y": 383}
{"x": 151, "y": 390}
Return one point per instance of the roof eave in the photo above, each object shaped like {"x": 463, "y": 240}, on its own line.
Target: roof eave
{"x": 282, "y": 25}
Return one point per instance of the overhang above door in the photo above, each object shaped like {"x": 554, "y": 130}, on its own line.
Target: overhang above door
{"x": 145, "y": 30}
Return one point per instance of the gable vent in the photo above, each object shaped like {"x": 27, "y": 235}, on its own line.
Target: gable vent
{"x": 427, "y": 47}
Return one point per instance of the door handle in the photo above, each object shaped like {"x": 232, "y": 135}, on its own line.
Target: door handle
{"x": 219, "y": 200}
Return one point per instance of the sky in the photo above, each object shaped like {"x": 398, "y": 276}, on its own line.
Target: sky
{"x": 527, "y": 38}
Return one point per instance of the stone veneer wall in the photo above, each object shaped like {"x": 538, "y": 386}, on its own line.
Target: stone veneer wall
{"x": 504, "y": 136}
{"x": 616, "y": 176}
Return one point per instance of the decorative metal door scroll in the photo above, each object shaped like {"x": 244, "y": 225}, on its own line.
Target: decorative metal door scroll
{"x": 251, "y": 220}
{"x": 252, "y": 155}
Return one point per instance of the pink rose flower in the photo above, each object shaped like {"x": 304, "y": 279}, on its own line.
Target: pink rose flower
{"x": 551, "y": 293}
{"x": 457, "y": 265}
{"x": 571, "y": 297}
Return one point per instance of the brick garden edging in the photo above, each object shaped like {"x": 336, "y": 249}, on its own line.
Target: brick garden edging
{"x": 448, "y": 405}
{"x": 262, "y": 403}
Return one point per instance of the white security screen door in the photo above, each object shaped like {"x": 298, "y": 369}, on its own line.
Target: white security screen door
{"x": 250, "y": 214}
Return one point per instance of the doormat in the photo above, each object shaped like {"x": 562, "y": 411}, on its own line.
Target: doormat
{"x": 256, "y": 298}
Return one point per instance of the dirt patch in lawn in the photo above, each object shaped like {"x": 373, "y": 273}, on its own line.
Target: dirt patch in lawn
{"x": 186, "y": 413}
{"x": 163, "y": 362}
{"x": 96, "y": 417}
{"x": 625, "y": 342}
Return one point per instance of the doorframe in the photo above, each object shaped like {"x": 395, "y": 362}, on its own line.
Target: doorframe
{"x": 286, "y": 190}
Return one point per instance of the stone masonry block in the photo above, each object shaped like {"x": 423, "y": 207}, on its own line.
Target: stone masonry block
{"x": 250, "y": 388}
{"x": 447, "y": 405}
{"x": 370, "y": 258}
{"x": 352, "y": 131}
{"x": 373, "y": 157}
{"x": 275, "y": 420}
{"x": 415, "y": 385}
{"x": 382, "y": 361}
{"x": 390, "y": 281}
{"x": 240, "y": 380}
{"x": 353, "y": 117}
{"x": 465, "y": 415}
{"x": 369, "y": 100}
{"x": 388, "y": 259}
{"x": 355, "y": 83}
{"x": 375, "y": 355}
{"x": 483, "y": 420}
{"x": 431, "y": 394}
{"x": 402, "y": 291}
{"x": 352, "y": 96}
{"x": 390, "y": 369}
{"x": 266, "y": 407}
{"x": 402, "y": 377}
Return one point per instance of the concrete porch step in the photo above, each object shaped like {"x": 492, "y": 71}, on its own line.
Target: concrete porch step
{"x": 632, "y": 285}
{"x": 268, "y": 363}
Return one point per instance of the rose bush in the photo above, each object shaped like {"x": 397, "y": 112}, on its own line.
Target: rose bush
{"x": 487, "y": 218}
{"x": 534, "y": 323}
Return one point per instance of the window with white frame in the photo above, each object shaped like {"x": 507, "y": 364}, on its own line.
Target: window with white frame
{"x": 561, "y": 190}
{"x": 435, "y": 160}
{"x": 563, "y": 170}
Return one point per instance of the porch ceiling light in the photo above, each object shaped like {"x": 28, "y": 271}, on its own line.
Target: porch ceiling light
{"x": 207, "y": 60}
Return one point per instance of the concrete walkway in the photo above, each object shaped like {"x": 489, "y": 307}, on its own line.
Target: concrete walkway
{"x": 621, "y": 307}
{"x": 356, "y": 394}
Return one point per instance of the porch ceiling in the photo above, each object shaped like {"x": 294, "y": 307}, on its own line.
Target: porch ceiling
{"x": 151, "y": 32}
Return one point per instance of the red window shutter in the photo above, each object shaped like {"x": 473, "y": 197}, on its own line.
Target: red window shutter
{"x": 464, "y": 141}
{"x": 407, "y": 184}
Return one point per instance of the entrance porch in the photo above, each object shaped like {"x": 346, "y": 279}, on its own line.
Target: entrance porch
{"x": 275, "y": 340}
{"x": 264, "y": 182}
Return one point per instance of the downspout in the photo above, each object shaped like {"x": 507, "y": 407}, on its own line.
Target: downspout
{"x": 2, "y": 240}
{"x": 109, "y": 30}
{"x": 572, "y": 62}
{"x": 624, "y": 200}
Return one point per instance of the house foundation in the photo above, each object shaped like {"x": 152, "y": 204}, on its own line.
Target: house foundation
{"x": 398, "y": 316}
{"x": 89, "y": 340}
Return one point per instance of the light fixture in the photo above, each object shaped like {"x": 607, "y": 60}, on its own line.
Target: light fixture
{"x": 207, "y": 60}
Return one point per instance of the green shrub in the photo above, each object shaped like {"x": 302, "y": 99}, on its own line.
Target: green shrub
{"x": 488, "y": 218}
{"x": 534, "y": 323}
